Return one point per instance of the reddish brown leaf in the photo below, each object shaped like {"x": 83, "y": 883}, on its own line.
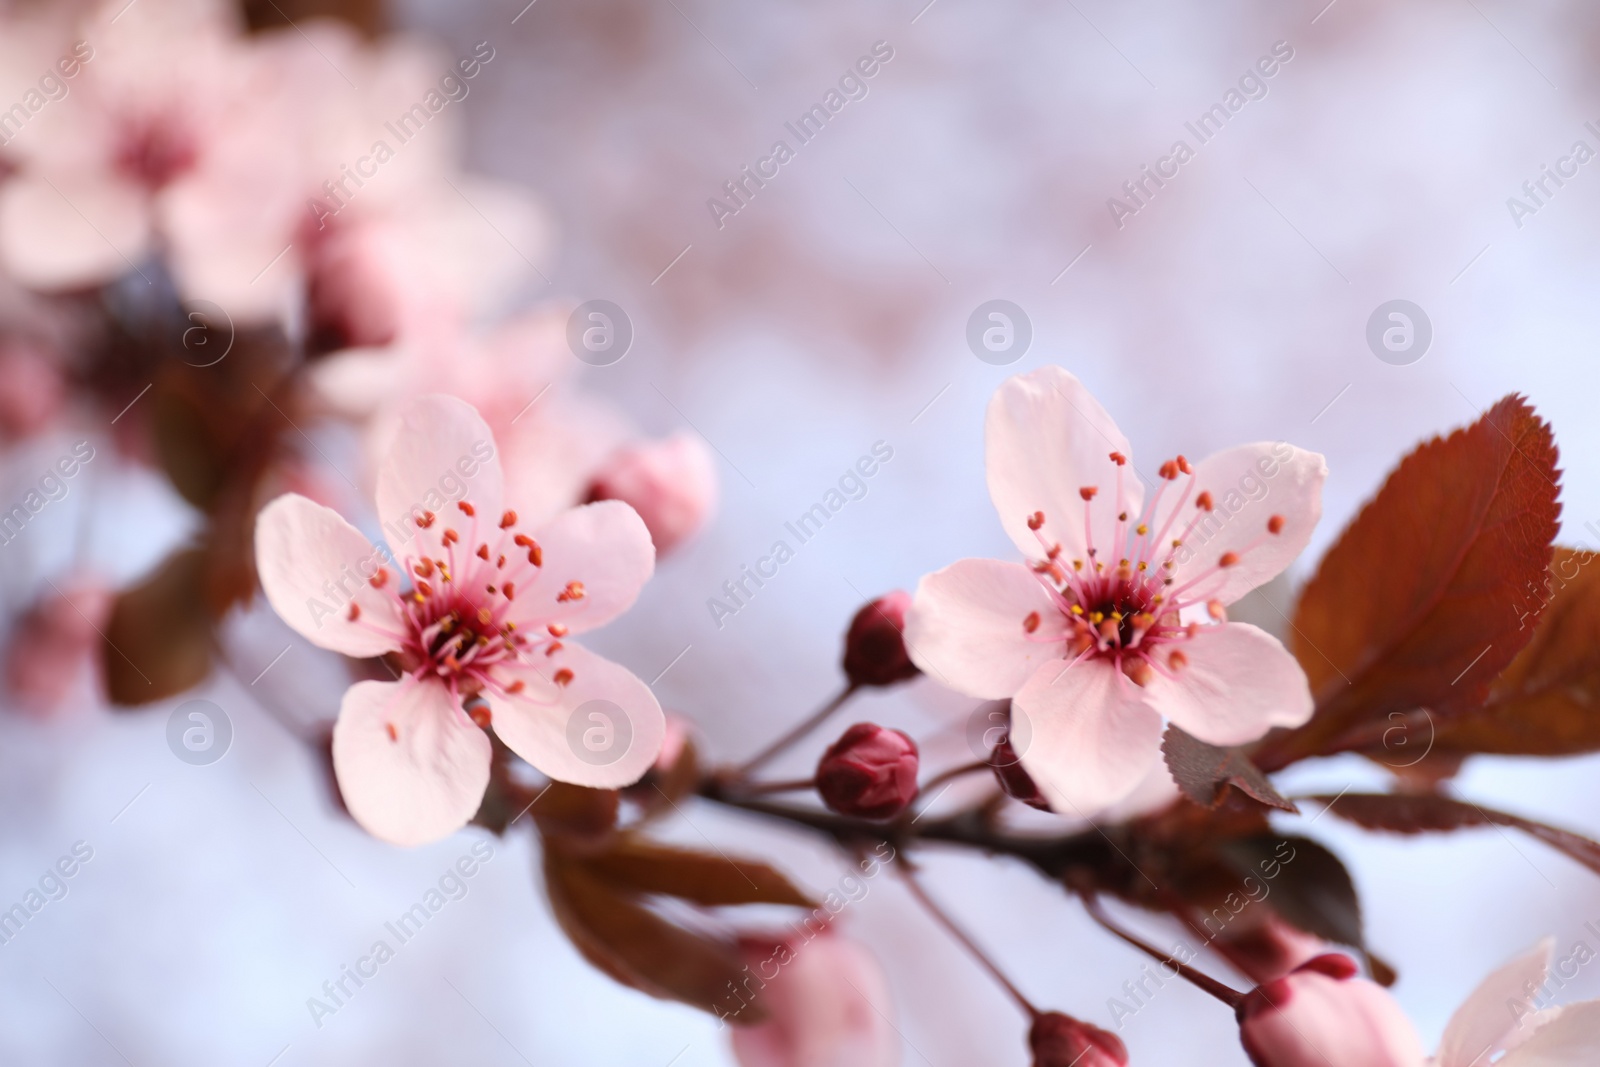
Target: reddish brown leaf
{"x": 626, "y": 940}
{"x": 574, "y": 812}
{"x": 1547, "y": 703}
{"x": 1204, "y": 772}
{"x": 1417, "y": 813}
{"x": 158, "y": 639}
{"x": 702, "y": 878}
{"x": 1418, "y": 603}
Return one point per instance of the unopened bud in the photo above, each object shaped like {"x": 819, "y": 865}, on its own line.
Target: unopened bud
{"x": 672, "y": 484}
{"x": 1059, "y": 1040}
{"x": 1016, "y": 781}
{"x": 870, "y": 772}
{"x": 874, "y": 647}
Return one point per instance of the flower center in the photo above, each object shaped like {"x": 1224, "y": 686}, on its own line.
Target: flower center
{"x": 458, "y": 614}
{"x": 1124, "y": 603}
{"x": 155, "y": 151}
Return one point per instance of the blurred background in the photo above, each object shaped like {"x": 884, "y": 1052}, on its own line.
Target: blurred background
{"x": 829, "y": 312}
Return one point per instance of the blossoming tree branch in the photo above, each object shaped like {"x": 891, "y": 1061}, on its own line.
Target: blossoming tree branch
{"x": 200, "y": 249}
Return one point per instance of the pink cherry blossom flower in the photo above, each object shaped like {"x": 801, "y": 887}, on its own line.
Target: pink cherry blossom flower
{"x": 480, "y": 618}
{"x": 1506, "y": 1014}
{"x": 169, "y": 139}
{"x": 1321, "y": 1013}
{"x": 827, "y": 1005}
{"x": 1098, "y": 638}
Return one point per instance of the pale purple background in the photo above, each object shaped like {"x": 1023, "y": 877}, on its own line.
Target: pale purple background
{"x": 1232, "y": 309}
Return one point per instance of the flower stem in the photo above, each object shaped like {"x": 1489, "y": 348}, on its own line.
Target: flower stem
{"x": 817, "y": 718}
{"x": 954, "y": 772}
{"x": 960, "y": 935}
{"x": 758, "y": 789}
{"x": 1228, "y": 995}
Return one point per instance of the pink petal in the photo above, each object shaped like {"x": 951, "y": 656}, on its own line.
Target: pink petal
{"x": 1569, "y": 1037}
{"x": 602, "y": 729}
{"x": 80, "y": 233}
{"x": 966, "y": 627}
{"x": 1239, "y": 682}
{"x": 418, "y": 782}
{"x": 1047, "y": 438}
{"x": 443, "y": 453}
{"x": 1321, "y": 1021}
{"x": 828, "y": 1006}
{"x": 1091, "y": 735}
{"x": 605, "y": 547}
{"x": 1249, "y": 484}
{"x": 301, "y": 547}
{"x": 556, "y": 448}
{"x": 1479, "y": 1028}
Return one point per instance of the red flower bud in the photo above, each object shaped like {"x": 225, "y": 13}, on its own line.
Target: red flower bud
{"x": 1059, "y": 1040}
{"x": 870, "y": 772}
{"x": 1016, "y": 782}
{"x": 874, "y": 650}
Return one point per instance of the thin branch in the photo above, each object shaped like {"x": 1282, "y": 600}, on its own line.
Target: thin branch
{"x": 960, "y": 935}
{"x": 1227, "y": 994}
{"x": 777, "y": 747}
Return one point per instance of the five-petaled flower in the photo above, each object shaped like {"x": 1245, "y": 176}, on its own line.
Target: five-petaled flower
{"x": 1118, "y": 619}
{"x": 479, "y": 618}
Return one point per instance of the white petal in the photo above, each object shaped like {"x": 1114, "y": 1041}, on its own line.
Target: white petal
{"x": 1478, "y": 1029}
{"x": 1091, "y": 737}
{"x": 1571, "y": 1038}
{"x": 79, "y": 233}
{"x": 443, "y": 453}
{"x": 603, "y": 729}
{"x": 1047, "y": 437}
{"x": 1238, "y": 684}
{"x": 423, "y": 780}
{"x": 965, "y": 627}
{"x": 302, "y": 546}
{"x": 1249, "y": 484}
{"x": 606, "y": 547}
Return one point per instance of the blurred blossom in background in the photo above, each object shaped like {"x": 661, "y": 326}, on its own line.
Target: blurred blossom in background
{"x": 422, "y": 194}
